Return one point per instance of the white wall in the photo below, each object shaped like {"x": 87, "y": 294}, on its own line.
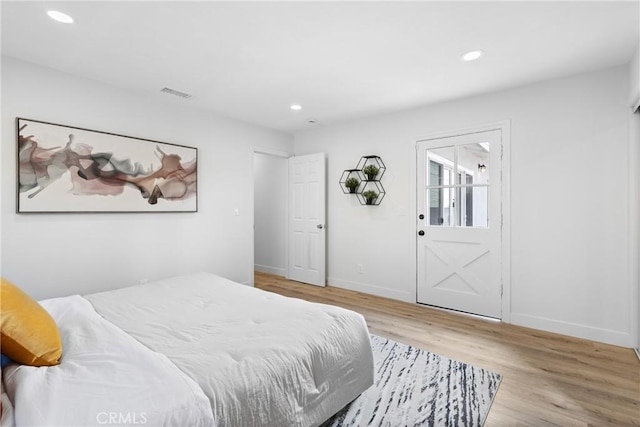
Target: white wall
{"x": 569, "y": 201}
{"x": 270, "y": 196}
{"x": 634, "y": 211}
{"x": 634, "y": 78}
{"x": 634, "y": 160}
{"x": 59, "y": 254}
{"x": 635, "y": 137}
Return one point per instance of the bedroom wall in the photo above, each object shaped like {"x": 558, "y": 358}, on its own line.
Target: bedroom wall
{"x": 635, "y": 138}
{"x": 59, "y": 254}
{"x": 270, "y": 196}
{"x": 634, "y": 78}
{"x": 634, "y": 212}
{"x": 569, "y": 201}
{"x": 634, "y": 159}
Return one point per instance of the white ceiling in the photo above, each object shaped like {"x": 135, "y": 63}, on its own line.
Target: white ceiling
{"x": 339, "y": 60}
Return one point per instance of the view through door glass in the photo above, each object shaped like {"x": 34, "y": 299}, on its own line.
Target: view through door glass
{"x": 458, "y": 185}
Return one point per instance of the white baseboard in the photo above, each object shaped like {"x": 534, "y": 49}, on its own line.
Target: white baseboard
{"x": 637, "y": 352}
{"x": 372, "y": 289}
{"x": 608, "y": 336}
{"x": 269, "y": 270}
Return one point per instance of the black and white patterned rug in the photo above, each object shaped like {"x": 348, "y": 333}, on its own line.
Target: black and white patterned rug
{"x": 413, "y": 387}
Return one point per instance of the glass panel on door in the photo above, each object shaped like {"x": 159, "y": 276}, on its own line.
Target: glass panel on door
{"x": 473, "y": 206}
{"x": 457, "y": 185}
{"x": 441, "y": 206}
{"x": 441, "y": 161}
{"x": 474, "y": 161}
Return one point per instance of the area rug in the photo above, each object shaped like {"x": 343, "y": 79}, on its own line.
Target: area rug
{"x": 413, "y": 387}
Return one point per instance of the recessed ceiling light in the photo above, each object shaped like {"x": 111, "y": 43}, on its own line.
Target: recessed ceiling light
{"x": 472, "y": 55}
{"x": 296, "y": 107}
{"x": 60, "y": 17}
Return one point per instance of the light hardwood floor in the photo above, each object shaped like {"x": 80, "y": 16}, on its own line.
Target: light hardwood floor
{"x": 548, "y": 379}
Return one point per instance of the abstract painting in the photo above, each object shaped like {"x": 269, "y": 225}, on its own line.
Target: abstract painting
{"x": 69, "y": 169}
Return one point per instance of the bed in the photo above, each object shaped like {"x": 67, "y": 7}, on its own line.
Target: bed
{"x": 195, "y": 350}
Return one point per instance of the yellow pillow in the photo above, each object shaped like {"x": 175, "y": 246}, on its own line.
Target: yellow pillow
{"x": 29, "y": 334}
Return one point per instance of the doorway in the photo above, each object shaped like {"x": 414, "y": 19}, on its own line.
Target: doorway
{"x": 270, "y": 213}
{"x": 289, "y": 216}
{"x": 459, "y": 242}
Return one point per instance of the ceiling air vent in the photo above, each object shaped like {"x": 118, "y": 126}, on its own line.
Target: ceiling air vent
{"x": 175, "y": 92}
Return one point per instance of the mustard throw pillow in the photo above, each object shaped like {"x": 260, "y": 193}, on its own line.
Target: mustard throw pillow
{"x": 29, "y": 334}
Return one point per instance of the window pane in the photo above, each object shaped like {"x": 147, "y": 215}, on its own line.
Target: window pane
{"x": 467, "y": 220}
{"x": 475, "y": 205}
{"x": 440, "y": 204}
{"x": 473, "y": 161}
{"x": 434, "y": 202}
{"x": 435, "y": 173}
{"x": 440, "y": 162}
{"x": 463, "y": 171}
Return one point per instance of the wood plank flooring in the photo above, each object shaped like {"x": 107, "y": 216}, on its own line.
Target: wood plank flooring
{"x": 548, "y": 379}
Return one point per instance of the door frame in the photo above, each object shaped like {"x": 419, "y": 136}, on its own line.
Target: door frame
{"x": 634, "y": 228}
{"x": 505, "y": 240}
{"x": 275, "y": 153}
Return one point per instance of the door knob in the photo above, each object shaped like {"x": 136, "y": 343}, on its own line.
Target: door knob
{"x": 320, "y": 226}
{"x": 421, "y": 233}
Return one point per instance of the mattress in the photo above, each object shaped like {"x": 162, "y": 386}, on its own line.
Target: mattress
{"x": 105, "y": 377}
{"x": 260, "y": 358}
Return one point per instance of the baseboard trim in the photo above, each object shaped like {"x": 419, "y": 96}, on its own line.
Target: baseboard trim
{"x": 269, "y": 270}
{"x": 622, "y": 339}
{"x": 637, "y": 350}
{"x": 371, "y": 289}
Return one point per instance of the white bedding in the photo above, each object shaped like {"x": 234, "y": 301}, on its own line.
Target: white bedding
{"x": 262, "y": 359}
{"x": 105, "y": 377}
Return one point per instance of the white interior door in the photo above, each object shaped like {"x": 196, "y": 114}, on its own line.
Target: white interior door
{"x": 459, "y": 223}
{"x": 307, "y": 211}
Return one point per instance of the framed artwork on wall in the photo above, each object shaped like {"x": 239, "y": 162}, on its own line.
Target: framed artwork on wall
{"x": 69, "y": 169}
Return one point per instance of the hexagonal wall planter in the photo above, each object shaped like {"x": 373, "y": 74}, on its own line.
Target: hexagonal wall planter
{"x": 348, "y": 179}
{"x": 364, "y": 180}
{"x": 367, "y": 163}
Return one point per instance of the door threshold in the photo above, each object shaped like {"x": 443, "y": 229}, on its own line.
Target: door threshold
{"x": 464, "y": 313}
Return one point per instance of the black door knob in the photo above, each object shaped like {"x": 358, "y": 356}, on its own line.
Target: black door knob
{"x": 421, "y": 233}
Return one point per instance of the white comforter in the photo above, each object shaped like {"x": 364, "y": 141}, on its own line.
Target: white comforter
{"x": 262, "y": 359}
{"x": 105, "y": 378}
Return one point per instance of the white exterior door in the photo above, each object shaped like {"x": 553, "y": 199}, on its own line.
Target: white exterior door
{"x": 459, "y": 223}
{"x": 307, "y": 211}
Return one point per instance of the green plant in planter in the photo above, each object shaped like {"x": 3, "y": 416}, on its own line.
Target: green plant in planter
{"x": 371, "y": 171}
{"x": 352, "y": 184}
{"x": 370, "y": 196}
